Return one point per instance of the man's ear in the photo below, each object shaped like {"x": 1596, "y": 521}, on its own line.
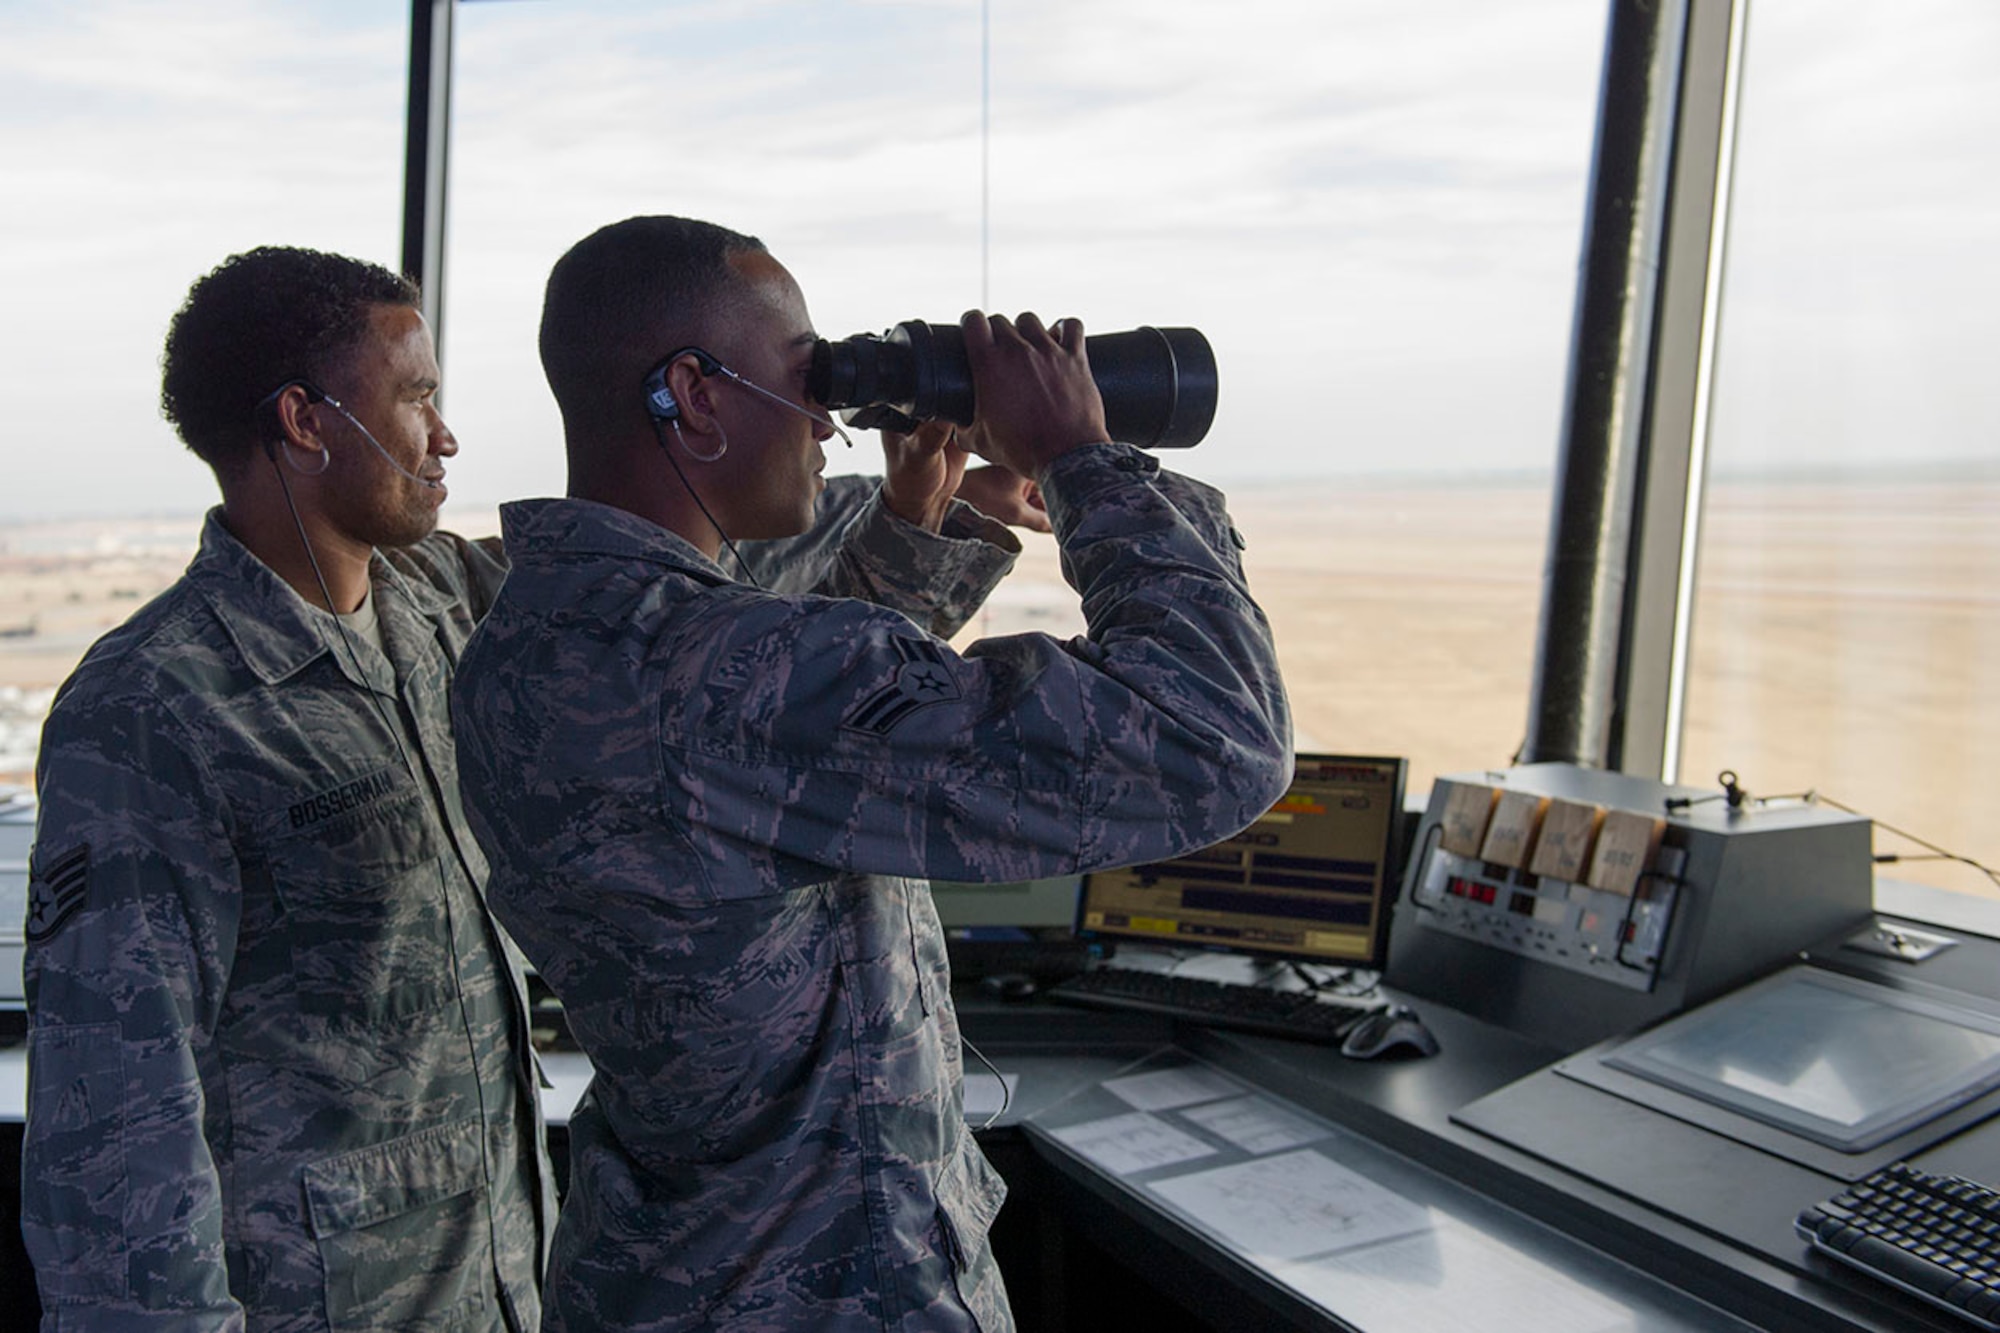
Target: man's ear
{"x": 292, "y": 419}
{"x": 691, "y": 393}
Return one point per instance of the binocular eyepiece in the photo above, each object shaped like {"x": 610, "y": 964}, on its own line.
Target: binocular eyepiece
{"x": 1158, "y": 384}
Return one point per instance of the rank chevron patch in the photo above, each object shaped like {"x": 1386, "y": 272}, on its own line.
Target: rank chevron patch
{"x": 923, "y": 678}
{"x": 56, "y": 891}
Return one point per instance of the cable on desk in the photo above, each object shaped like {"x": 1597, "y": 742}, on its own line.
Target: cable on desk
{"x": 1736, "y": 797}
{"x": 1732, "y": 792}
{"x": 1349, "y": 981}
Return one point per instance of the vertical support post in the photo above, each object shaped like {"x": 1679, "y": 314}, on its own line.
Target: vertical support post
{"x": 1618, "y": 586}
{"x": 425, "y": 146}
{"x": 1659, "y": 621}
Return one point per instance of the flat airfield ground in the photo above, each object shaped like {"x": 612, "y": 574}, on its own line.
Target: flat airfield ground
{"x": 1846, "y": 640}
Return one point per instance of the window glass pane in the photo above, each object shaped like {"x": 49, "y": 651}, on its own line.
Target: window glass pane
{"x": 145, "y": 143}
{"x": 1847, "y": 631}
{"x": 1371, "y": 209}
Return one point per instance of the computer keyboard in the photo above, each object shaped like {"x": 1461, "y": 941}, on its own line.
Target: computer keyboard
{"x": 1935, "y": 1236}
{"x": 1301, "y": 1015}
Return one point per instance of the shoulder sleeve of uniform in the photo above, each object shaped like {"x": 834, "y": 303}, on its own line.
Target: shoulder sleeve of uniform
{"x": 134, "y": 903}
{"x": 937, "y": 579}
{"x": 860, "y": 548}
{"x": 834, "y": 733}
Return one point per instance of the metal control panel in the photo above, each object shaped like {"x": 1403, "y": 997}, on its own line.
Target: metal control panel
{"x": 1571, "y": 904}
{"x": 1617, "y": 938}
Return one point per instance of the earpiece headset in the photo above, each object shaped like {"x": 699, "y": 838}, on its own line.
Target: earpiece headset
{"x": 664, "y": 410}
{"x": 267, "y": 421}
{"x": 659, "y": 396}
{"x": 267, "y": 412}
{"x": 662, "y": 406}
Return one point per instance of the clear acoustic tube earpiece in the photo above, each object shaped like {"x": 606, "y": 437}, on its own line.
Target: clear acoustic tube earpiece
{"x": 369, "y": 436}
{"x": 660, "y": 399}
{"x": 787, "y": 404}
{"x": 315, "y": 394}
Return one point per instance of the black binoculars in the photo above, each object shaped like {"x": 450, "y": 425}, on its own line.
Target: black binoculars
{"x": 1158, "y": 384}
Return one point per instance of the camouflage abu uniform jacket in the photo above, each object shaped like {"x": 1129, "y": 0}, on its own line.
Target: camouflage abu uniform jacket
{"x": 701, "y": 801}
{"x": 278, "y": 1059}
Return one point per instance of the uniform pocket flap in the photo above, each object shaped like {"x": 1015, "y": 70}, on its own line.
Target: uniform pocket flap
{"x": 361, "y": 1188}
{"x": 970, "y": 1193}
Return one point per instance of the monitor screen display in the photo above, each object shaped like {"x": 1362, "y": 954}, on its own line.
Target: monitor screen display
{"x": 1843, "y": 1062}
{"x": 1311, "y": 880}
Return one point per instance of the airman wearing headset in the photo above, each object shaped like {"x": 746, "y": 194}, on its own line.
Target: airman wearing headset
{"x": 711, "y": 806}
{"x": 279, "y": 1057}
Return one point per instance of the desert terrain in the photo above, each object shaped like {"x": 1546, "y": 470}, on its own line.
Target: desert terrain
{"x": 1846, "y": 642}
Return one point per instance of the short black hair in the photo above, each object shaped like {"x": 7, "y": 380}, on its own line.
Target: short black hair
{"x": 625, "y": 296}
{"x": 261, "y": 318}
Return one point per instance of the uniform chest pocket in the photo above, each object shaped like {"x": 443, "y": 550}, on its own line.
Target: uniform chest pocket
{"x": 362, "y": 905}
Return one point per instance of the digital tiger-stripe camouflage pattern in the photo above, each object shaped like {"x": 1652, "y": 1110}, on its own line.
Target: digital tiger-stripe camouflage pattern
{"x": 710, "y": 810}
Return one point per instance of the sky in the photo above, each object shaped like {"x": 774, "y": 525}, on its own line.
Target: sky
{"x": 1372, "y": 208}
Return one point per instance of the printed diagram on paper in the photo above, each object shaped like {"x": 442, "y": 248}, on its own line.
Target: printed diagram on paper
{"x": 1125, "y": 1144}
{"x": 1292, "y": 1205}
{"x": 1254, "y": 1124}
{"x": 1165, "y": 1089}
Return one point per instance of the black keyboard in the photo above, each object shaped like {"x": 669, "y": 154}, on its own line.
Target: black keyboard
{"x": 1935, "y": 1236}
{"x": 1299, "y": 1014}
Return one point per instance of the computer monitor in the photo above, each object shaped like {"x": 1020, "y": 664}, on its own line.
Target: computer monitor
{"x": 1033, "y": 905}
{"x": 1312, "y": 880}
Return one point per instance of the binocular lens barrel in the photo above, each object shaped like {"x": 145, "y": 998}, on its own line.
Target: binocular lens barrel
{"x": 1159, "y": 385}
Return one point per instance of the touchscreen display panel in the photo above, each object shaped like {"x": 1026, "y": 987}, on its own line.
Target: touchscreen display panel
{"x": 1844, "y": 1062}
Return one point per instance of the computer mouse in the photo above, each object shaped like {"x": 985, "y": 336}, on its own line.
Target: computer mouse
{"x": 1395, "y": 1031}
{"x": 1008, "y": 985}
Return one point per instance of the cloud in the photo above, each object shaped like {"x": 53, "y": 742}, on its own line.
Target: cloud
{"x": 1372, "y": 208}
{"x": 1309, "y": 186}
{"x": 1858, "y": 324}
{"x": 146, "y": 143}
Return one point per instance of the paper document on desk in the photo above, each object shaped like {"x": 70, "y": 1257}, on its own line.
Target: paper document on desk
{"x": 1125, "y": 1144}
{"x": 1255, "y": 1124}
{"x": 1165, "y": 1089}
{"x": 1292, "y": 1205}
